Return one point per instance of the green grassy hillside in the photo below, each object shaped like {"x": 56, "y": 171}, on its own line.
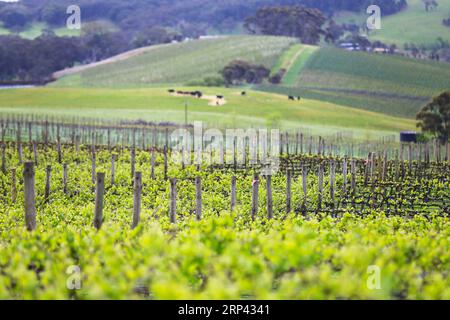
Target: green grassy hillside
{"x": 382, "y": 83}
{"x": 388, "y": 84}
{"x": 35, "y": 30}
{"x": 413, "y": 24}
{"x": 298, "y": 64}
{"x": 181, "y": 63}
{"x": 256, "y": 109}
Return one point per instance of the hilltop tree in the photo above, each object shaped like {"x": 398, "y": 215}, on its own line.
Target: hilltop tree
{"x": 297, "y": 21}
{"x": 435, "y": 117}
{"x": 15, "y": 17}
{"x": 238, "y": 71}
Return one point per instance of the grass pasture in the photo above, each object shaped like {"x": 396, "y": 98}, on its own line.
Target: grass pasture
{"x": 258, "y": 109}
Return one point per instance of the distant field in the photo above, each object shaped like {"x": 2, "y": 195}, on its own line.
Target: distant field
{"x": 257, "y": 109}
{"x": 181, "y": 62}
{"x": 411, "y": 25}
{"x": 3, "y": 30}
{"x": 387, "y": 84}
{"x": 35, "y": 30}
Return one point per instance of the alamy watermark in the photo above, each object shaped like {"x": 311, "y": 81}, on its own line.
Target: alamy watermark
{"x": 73, "y": 281}
{"x": 235, "y": 146}
{"x": 374, "y": 277}
{"x": 73, "y": 22}
{"x": 374, "y": 20}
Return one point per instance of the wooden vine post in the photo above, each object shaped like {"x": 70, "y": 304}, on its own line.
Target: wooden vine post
{"x": 269, "y": 196}
{"x": 288, "y": 191}
{"x": 173, "y": 200}
{"x": 137, "y": 191}
{"x": 198, "y": 198}
{"x": 29, "y": 196}
{"x": 48, "y": 175}
{"x": 93, "y": 167}
{"x": 113, "y": 169}
{"x": 99, "y": 195}
{"x": 165, "y": 162}
{"x": 233, "y": 192}
{"x": 64, "y": 180}
{"x": 304, "y": 187}
{"x": 332, "y": 184}
{"x": 344, "y": 173}
{"x": 153, "y": 159}
{"x": 255, "y": 194}
{"x": 4, "y": 159}
{"x": 320, "y": 187}
{"x": 133, "y": 160}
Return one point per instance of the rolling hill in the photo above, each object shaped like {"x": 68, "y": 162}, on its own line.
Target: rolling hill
{"x": 388, "y": 84}
{"x": 180, "y": 63}
{"x": 365, "y": 95}
{"x": 412, "y": 25}
{"x": 257, "y": 109}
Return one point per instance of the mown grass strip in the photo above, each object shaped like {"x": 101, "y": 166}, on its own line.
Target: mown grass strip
{"x": 293, "y": 72}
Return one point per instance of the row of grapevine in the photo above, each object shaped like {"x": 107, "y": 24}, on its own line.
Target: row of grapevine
{"x": 330, "y": 185}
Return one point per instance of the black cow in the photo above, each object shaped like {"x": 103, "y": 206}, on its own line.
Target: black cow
{"x": 171, "y": 91}
{"x": 219, "y": 97}
{"x": 199, "y": 94}
{"x": 243, "y": 93}
{"x": 299, "y": 98}
{"x": 291, "y": 98}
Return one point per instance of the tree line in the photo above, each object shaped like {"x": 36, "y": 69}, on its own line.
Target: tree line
{"x": 132, "y": 24}
{"x": 188, "y": 17}
{"x": 35, "y": 60}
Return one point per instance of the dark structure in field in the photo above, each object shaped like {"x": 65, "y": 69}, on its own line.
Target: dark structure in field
{"x": 408, "y": 136}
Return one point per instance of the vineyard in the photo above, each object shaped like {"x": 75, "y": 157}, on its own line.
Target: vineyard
{"x": 179, "y": 63}
{"x": 393, "y": 85}
{"x": 108, "y": 204}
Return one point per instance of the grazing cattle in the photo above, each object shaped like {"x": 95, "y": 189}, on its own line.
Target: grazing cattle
{"x": 199, "y": 94}
{"x": 180, "y": 92}
{"x": 193, "y": 93}
{"x": 291, "y": 98}
{"x": 299, "y": 98}
{"x": 219, "y": 97}
{"x": 243, "y": 93}
{"x": 171, "y": 91}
